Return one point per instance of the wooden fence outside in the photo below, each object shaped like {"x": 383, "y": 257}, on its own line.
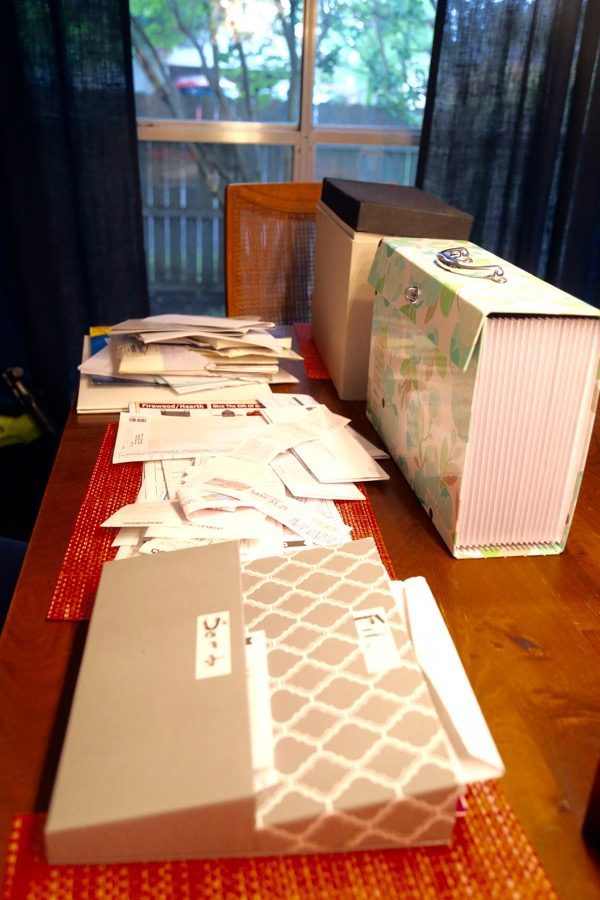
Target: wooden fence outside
{"x": 183, "y": 229}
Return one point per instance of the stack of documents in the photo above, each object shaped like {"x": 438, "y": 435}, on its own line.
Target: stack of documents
{"x": 264, "y": 473}
{"x": 180, "y": 355}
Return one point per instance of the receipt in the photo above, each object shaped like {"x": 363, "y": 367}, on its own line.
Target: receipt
{"x": 313, "y": 527}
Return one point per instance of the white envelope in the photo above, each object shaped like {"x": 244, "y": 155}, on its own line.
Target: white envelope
{"x": 477, "y": 756}
{"x": 337, "y": 456}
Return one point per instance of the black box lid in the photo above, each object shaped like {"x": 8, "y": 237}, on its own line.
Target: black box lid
{"x": 394, "y": 209}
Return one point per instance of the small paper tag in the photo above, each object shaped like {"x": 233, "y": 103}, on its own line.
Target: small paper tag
{"x": 376, "y": 640}
{"x": 213, "y": 645}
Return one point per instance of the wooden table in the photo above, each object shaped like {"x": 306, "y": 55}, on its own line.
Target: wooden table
{"x": 527, "y": 630}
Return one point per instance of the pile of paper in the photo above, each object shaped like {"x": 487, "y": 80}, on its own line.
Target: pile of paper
{"x": 191, "y": 353}
{"x": 264, "y": 473}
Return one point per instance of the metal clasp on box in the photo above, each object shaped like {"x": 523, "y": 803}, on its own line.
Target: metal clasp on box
{"x": 458, "y": 259}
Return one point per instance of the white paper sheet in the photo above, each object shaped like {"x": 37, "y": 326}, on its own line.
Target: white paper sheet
{"x": 312, "y": 527}
{"x": 108, "y": 398}
{"x": 150, "y": 435}
{"x": 153, "y": 486}
{"x": 141, "y": 515}
{"x": 274, "y": 439}
{"x": 301, "y": 483}
{"x": 338, "y": 457}
{"x": 477, "y": 756}
{"x": 259, "y": 703}
{"x": 173, "y": 322}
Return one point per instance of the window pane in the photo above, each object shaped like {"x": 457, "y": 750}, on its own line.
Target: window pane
{"x": 372, "y": 62}
{"x": 368, "y": 162}
{"x": 183, "y": 189}
{"x": 235, "y": 62}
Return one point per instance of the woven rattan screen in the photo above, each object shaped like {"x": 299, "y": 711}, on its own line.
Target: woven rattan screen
{"x": 270, "y": 241}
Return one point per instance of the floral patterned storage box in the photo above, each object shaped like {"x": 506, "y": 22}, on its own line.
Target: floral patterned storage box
{"x": 483, "y": 384}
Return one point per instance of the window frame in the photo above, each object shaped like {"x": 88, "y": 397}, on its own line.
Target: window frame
{"x": 303, "y": 137}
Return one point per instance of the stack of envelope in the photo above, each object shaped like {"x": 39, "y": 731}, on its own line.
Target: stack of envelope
{"x": 265, "y": 473}
{"x": 191, "y": 353}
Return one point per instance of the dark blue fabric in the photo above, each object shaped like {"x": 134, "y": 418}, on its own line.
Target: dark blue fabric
{"x": 70, "y": 212}
{"x": 11, "y": 557}
{"x": 512, "y": 132}
{"x": 12, "y": 345}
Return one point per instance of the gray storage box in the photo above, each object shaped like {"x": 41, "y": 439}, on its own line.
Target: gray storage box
{"x": 156, "y": 762}
{"x": 159, "y": 759}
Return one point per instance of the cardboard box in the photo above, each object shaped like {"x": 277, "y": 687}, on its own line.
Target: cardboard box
{"x": 156, "y": 760}
{"x": 352, "y": 218}
{"x": 161, "y": 755}
{"x": 483, "y": 386}
{"x": 342, "y": 304}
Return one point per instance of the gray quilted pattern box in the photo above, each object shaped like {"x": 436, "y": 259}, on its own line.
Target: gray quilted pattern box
{"x": 361, "y": 757}
{"x": 160, "y": 759}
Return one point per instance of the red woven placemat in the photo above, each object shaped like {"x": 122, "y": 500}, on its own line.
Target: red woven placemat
{"x": 360, "y": 516}
{"x": 490, "y": 857}
{"x": 313, "y": 364}
{"x": 112, "y": 486}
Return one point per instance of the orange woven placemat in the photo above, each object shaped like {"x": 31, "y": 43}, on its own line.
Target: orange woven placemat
{"x": 313, "y": 364}
{"x": 112, "y": 486}
{"x": 490, "y": 857}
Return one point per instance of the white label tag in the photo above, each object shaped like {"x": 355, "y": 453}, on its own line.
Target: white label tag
{"x": 213, "y": 645}
{"x": 376, "y": 640}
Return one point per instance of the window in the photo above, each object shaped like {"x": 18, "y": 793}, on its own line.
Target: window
{"x": 264, "y": 90}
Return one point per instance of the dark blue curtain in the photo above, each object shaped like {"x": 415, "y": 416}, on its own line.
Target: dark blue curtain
{"x": 512, "y": 131}
{"x": 70, "y": 218}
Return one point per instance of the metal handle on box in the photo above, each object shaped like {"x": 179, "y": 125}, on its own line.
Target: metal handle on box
{"x": 459, "y": 259}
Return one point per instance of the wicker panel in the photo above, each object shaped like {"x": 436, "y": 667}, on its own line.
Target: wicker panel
{"x": 110, "y": 488}
{"x": 270, "y": 241}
